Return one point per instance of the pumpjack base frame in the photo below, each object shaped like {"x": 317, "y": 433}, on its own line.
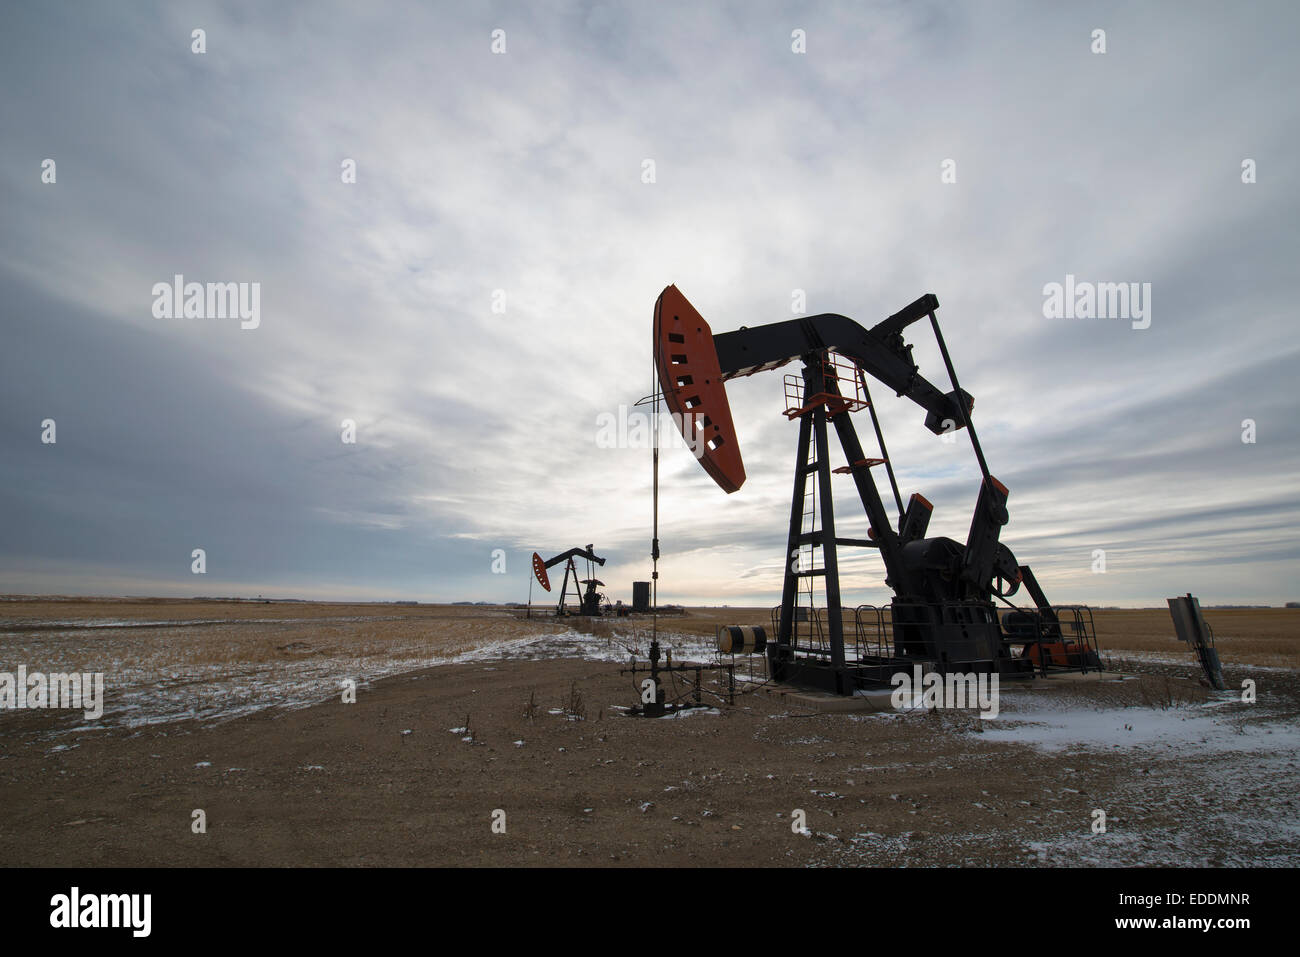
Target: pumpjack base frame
{"x": 807, "y": 671}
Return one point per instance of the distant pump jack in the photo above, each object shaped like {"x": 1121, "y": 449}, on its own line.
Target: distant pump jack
{"x": 592, "y": 600}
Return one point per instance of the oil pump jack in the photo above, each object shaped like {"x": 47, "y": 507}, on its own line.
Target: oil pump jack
{"x": 942, "y": 615}
{"x": 591, "y": 600}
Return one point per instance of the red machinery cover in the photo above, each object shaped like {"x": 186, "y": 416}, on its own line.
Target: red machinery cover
{"x": 687, "y": 363}
{"x": 539, "y": 569}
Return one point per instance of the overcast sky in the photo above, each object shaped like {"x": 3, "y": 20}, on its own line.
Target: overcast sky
{"x": 523, "y": 172}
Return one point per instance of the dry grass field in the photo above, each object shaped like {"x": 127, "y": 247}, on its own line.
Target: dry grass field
{"x": 199, "y": 633}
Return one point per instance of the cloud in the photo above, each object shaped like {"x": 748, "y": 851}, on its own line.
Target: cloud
{"x": 521, "y": 173}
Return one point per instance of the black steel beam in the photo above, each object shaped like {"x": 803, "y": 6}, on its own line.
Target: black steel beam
{"x": 790, "y": 586}
{"x": 830, "y": 556}
{"x": 747, "y": 351}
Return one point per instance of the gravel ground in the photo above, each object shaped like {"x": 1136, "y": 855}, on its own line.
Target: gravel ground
{"x": 417, "y": 770}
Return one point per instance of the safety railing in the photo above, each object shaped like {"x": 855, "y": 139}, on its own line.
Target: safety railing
{"x": 848, "y": 397}
{"x": 873, "y": 632}
{"x": 1062, "y": 637}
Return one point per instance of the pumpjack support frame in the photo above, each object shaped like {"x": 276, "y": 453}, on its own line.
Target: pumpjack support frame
{"x": 943, "y": 614}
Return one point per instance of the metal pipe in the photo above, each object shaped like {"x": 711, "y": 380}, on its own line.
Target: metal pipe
{"x": 961, "y": 405}
{"x": 880, "y": 438}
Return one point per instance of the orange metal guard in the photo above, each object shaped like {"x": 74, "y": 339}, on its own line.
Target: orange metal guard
{"x": 539, "y": 569}
{"x": 687, "y": 363}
